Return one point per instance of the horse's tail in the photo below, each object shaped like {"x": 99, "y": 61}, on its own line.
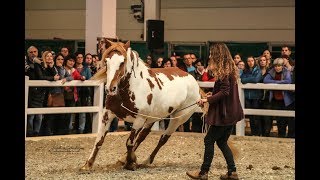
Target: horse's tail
{"x": 235, "y": 151}
{"x": 100, "y": 75}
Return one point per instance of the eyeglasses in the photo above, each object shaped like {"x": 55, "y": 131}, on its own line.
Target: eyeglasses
{"x": 32, "y": 51}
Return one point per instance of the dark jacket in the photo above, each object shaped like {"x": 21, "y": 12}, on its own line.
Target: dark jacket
{"x": 224, "y": 104}
{"x": 252, "y": 76}
{"x": 37, "y": 95}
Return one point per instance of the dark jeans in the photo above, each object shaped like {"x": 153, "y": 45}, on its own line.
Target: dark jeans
{"x": 266, "y": 121}
{"x": 220, "y": 134}
{"x": 283, "y": 122}
{"x": 196, "y": 122}
{"x": 255, "y": 122}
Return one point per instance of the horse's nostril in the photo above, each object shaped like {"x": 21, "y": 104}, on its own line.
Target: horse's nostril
{"x": 113, "y": 89}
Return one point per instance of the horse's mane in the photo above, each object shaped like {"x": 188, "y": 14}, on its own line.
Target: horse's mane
{"x": 101, "y": 74}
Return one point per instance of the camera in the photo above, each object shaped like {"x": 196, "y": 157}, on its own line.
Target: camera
{"x": 137, "y": 15}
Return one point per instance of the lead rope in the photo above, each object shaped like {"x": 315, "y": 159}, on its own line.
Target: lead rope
{"x": 160, "y": 117}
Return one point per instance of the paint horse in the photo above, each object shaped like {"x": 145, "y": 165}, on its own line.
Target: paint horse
{"x": 142, "y": 96}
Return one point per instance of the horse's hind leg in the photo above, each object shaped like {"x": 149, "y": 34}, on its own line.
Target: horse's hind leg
{"x": 173, "y": 125}
{"x": 162, "y": 141}
{"x": 102, "y": 132}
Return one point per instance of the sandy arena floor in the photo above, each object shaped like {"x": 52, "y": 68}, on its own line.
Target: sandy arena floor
{"x": 60, "y": 157}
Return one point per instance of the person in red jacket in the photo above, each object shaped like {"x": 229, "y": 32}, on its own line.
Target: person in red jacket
{"x": 224, "y": 111}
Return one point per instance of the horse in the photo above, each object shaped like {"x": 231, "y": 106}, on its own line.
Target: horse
{"x": 142, "y": 96}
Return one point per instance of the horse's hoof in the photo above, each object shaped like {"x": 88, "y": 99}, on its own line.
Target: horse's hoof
{"x": 132, "y": 166}
{"x": 119, "y": 162}
{"x": 146, "y": 162}
{"x": 85, "y": 169}
{"x": 122, "y": 160}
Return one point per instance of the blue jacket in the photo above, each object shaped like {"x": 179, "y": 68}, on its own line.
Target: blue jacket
{"x": 285, "y": 79}
{"x": 253, "y": 76}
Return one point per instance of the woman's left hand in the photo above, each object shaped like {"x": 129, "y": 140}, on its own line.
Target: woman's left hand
{"x": 202, "y": 101}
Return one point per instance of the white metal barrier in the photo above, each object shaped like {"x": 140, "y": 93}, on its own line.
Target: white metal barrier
{"x": 97, "y": 108}
{"x": 240, "y": 127}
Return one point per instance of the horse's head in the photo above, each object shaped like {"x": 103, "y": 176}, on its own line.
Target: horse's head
{"x": 115, "y": 58}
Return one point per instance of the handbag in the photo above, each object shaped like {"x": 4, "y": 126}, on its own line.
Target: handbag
{"x": 69, "y": 93}
{"x": 56, "y": 100}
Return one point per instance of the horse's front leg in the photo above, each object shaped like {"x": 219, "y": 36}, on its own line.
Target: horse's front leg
{"x": 139, "y": 139}
{"x": 131, "y": 160}
{"x": 102, "y": 132}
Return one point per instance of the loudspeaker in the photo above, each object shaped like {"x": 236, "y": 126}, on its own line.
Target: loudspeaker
{"x": 155, "y": 34}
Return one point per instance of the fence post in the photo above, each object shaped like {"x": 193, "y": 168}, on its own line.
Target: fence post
{"x": 98, "y": 101}
{"x": 241, "y": 125}
{"x": 26, "y": 95}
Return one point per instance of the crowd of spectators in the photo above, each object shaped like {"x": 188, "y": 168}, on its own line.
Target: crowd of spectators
{"x": 66, "y": 66}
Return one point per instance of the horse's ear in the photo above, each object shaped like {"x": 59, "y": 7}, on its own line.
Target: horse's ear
{"x": 127, "y": 45}
{"x": 108, "y": 43}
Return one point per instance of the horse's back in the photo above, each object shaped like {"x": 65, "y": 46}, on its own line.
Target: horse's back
{"x": 176, "y": 89}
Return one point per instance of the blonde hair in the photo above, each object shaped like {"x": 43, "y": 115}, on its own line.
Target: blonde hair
{"x": 44, "y": 54}
{"x": 221, "y": 59}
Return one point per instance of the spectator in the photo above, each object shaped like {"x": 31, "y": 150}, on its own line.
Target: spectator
{"x": 174, "y": 61}
{"x": 58, "y": 122}
{"x": 84, "y": 96}
{"x": 280, "y": 99}
{"x": 35, "y": 69}
{"x": 252, "y": 74}
{"x": 199, "y": 69}
{"x": 49, "y": 122}
{"x": 149, "y": 61}
{"x": 266, "y": 121}
{"x": 70, "y": 92}
{"x": 266, "y": 53}
{"x": 237, "y": 58}
{"x": 64, "y": 51}
{"x": 89, "y": 63}
{"x": 188, "y": 67}
{"x": 166, "y": 63}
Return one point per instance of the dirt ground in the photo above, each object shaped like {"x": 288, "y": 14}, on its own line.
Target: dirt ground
{"x": 60, "y": 157}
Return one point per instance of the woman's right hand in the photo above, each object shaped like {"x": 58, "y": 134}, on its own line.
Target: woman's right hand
{"x": 56, "y": 77}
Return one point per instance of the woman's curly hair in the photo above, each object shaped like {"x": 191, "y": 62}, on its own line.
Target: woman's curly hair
{"x": 222, "y": 62}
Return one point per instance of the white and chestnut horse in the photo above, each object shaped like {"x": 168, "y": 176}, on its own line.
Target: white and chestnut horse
{"x": 142, "y": 96}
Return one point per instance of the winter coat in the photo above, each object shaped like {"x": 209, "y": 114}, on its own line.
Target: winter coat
{"x": 224, "y": 104}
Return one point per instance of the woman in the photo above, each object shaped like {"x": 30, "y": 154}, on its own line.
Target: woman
{"x": 224, "y": 111}
{"x": 281, "y": 99}
{"x": 252, "y": 74}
